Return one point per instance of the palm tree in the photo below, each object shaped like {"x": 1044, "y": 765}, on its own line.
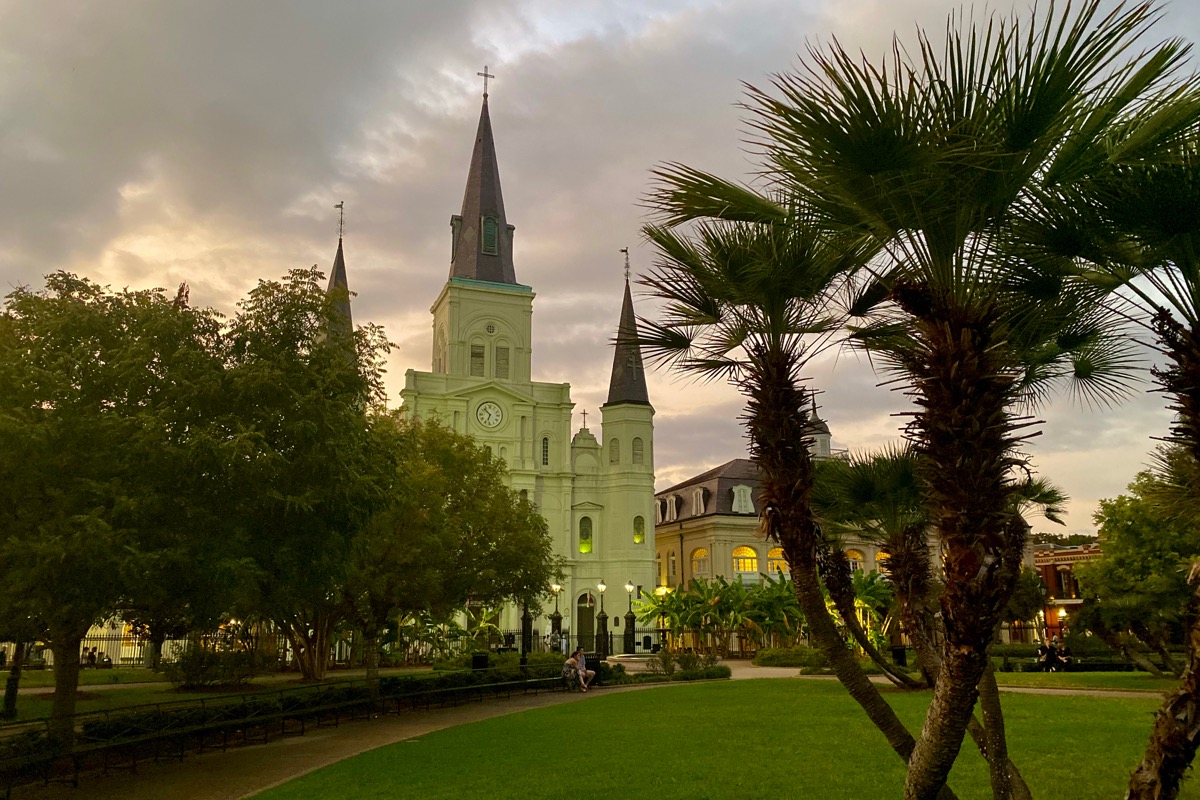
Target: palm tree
{"x": 747, "y": 292}
{"x": 938, "y": 159}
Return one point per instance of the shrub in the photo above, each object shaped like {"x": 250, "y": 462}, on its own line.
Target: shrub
{"x": 198, "y": 666}
{"x": 798, "y": 656}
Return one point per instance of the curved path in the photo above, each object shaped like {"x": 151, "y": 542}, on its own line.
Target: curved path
{"x": 240, "y": 772}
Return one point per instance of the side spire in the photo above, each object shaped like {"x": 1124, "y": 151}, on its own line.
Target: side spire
{"x": 337, "y": 275}
{"x": 628, "y": 382}
{"x": 481, "y": 247}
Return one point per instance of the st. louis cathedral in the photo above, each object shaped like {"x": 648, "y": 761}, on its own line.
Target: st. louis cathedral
{"x": 596, "y": 493}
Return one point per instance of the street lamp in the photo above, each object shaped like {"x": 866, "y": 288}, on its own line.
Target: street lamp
{"x": 602, "y": 621}
{"x": 630, "y": 633}
{"x": 556, "y": 617}
{"x": 661, "y": 592}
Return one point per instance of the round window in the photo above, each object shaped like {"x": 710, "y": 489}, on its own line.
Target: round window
{"x": 491, "y": 328}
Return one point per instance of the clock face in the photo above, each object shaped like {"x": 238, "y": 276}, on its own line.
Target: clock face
{"x": 489, "y": 414}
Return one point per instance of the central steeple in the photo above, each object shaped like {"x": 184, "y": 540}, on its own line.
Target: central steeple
{"x": 481, "y": 246}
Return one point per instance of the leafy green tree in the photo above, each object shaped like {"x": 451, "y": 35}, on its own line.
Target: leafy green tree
{"x": 1136, "y": 594}
{"x": 96, "y": 388}
{"x": 302, "y": 385}
{"x": 449, "y": 533}
{"x": 1028, "y": 598}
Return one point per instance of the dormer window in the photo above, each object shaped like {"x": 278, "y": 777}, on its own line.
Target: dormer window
{"x": 672, "y": 508}
{"x": 658, "y": 512}
{"x": 742, "y": 502}
{"x": 697, "y": 502}
{"x": 489, "y": 241}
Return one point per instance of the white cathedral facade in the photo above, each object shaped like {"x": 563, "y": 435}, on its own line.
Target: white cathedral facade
{"x": 595, "y": 492}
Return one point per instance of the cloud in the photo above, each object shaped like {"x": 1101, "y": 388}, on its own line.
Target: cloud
{"x": 148, "y": 144}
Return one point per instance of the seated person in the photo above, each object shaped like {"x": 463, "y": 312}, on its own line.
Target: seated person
{"x": 586, "y": 676}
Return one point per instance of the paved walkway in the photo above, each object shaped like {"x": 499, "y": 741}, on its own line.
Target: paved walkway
{"x": 243, "y": 771}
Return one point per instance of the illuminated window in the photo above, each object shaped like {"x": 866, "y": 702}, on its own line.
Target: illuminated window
{"x": 776, "y": 563}
{"x": 745, "y": 559}
{"x": 699, "y": 562}
{"x": 489, "y": 242}
{"x": 638, "y": 454}
{"x": 614, "y": 451}
{"x": 639, "y": 529}
{"x": 477, "y": 360}
{"x": 502, "y": 362}
{"x": 585, "y": 534}
{"x": 881, "y": 560}
{"x": 545, "y": 451}
{"x": 856, "y": 559}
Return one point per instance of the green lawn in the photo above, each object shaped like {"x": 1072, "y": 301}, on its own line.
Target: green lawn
{"x": 35, "y": 678}
{"x": 739, "y": 739}
{"x": 37, "y": 706}
{"x": 1128, "y": 681}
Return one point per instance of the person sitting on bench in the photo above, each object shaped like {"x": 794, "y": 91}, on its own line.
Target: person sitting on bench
{"x": 586, "y": 676}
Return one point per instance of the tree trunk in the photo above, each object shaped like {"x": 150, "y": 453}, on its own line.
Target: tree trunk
{"x": 66, "y": 687}
{"x": 13, "y": 684}
{"x": 963, "y": 384}
{"x": 778, "y": 440}
{"x": 154, "y": 654}
{"x": 835, "y": 571}
{"x": 1176, "y": 732}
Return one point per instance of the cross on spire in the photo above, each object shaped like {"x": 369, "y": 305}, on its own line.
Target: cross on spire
{"x": 341, "y": 207}
{"x": 625, "y": 250}
{"x": 585, "y": 418}
{"x": 485, "y": 75}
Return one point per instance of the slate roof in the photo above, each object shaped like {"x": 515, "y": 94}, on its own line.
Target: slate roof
{"x": 337, "y": 280}
{"x": 483, "y": 198}
{"x": 718, "y": 485}
{"x": 628, "y": 381}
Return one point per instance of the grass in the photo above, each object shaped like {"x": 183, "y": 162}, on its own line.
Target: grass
{"x": 1125, "y": 681}
{"x": 37, "y": 678}
{"x": 756, "y": 738}
{"x": 37, "y": 706}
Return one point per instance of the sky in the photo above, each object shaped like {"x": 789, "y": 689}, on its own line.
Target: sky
{"x": 145, "y": 144}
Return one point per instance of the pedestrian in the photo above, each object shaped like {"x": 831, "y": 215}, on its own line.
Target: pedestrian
{"x": 3, "y": 657}
{"x": 1042, "y": 653}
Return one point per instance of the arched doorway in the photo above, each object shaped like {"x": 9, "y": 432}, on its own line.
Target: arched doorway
{"x": 585, "y": 622}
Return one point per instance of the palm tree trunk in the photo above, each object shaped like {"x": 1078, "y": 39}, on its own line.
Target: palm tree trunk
{"x": 778, "y": 440}
{"x": 835, "y": 571}
{"x": 1176, "y": 732}
{"x": 966, "y": 438}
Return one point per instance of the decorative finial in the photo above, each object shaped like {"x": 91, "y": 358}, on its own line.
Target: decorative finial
{"x": 341, "y": 207}
{"x": 485, "y": 75}
{"x": 585, "y": 418}
{"x": 625, "y": 250}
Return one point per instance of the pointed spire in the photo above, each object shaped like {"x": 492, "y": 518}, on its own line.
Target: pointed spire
{"x": 482, "y": 240}
{"x": 338, "y": 283}
{"x": 628, "y": 382}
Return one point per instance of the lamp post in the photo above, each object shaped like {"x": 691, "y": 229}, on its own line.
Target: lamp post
{"x": 630, "y": 637}
{"x": 661, "y": 592}
{"x": 556, "y": 618}
{"x": 602, "y": 624}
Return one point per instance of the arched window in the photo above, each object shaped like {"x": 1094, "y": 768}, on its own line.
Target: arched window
{"x": 639, "y": 529}
{"x": 545, "y": 451}
{"x": 638, "y": 454}
{"x": 776, "y": 563}
{"x": 672, "y": 508}
{"x": 699, "y": 562}
{"x": 743, "y": 503}
{"x": 501, "y": 366}
{"x": 585, "y": 534}
{"x": 857, "y": 559}
{"x": 614, "y": 451}
{"x": 697, "y": 502}
{"x": 524, "y": 494}
{"x": 671, "y": 571}
{"x": 745, "y": 559}
{"x": 662, "y": 579}
{"x": 881, "y": 561}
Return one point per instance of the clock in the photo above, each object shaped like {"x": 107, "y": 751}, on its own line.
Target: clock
{"x": 489, "y": 414}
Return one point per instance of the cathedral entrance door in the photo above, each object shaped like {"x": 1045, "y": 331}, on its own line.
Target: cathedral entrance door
{"x": 585, "y": 625}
